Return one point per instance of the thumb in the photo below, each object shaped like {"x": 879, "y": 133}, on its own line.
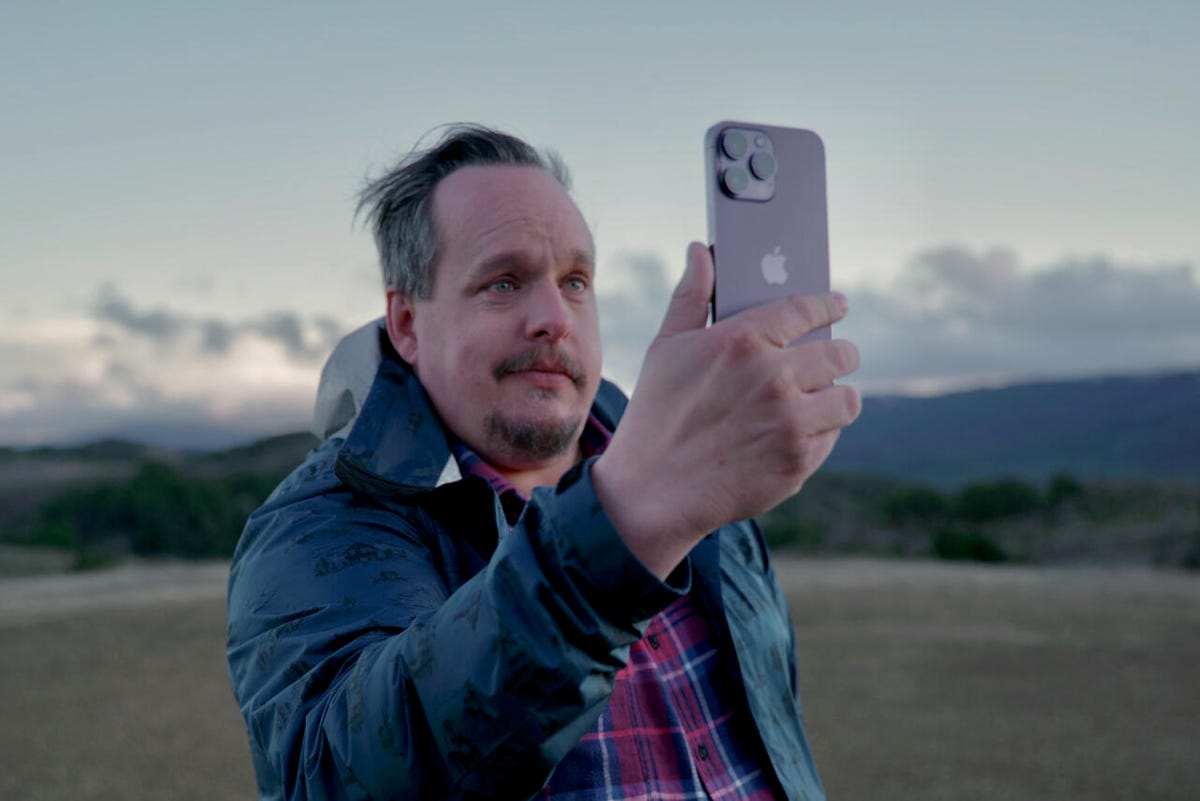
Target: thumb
{"x": 688, "y": 308}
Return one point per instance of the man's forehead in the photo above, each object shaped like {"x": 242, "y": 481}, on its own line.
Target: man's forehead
{"x": 484, "y": 202}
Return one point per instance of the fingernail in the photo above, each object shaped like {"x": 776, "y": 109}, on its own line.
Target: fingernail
{"x": 841, "y": 301}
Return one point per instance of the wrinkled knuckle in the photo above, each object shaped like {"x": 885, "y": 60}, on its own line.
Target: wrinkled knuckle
{"x": 794, "y": 431}
{"x": 741, "y": 343}
{"x": 794, "y": 458}
{"x": 777, "y": 391}
{"x": 807, "y": 310}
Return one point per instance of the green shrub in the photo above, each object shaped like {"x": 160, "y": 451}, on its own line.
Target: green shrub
{"x": 55, "y": 534}
{"x": 159, "y": 511}
{"x": 802, "y": 534}
{"x": 89, "y": 558}
{"x": 979, "y": 502}
{"x": 912, "y": 505}
{"x": 1061, "y": 488}
{"x": 966, "y": 545}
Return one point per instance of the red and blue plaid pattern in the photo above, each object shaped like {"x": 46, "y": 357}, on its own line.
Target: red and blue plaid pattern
{"x": 676, "y": 726}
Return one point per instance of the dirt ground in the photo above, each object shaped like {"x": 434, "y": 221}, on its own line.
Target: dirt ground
{"x": 937, "y": 681}
{"x": 921, "y": 680}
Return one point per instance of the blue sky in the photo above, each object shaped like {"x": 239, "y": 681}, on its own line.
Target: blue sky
{"x": 1013, "y": 189}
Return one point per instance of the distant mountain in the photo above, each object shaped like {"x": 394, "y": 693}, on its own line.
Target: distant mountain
{"x": 277, "y": 454}
{"x": 1144, "y": 427}
{"x": 1129, "y": 427}
{"x": 117, "y": 459}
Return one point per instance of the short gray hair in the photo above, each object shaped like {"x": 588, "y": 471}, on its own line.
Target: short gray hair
{"x": 399, "y": 204}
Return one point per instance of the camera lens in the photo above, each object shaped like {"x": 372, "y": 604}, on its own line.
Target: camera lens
{"x": 735, "y": 180}
{"x": 734, "y": 144}
{"x": 762, "y": 164}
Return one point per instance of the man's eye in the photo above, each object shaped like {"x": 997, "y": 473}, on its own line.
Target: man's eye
{"x": 503, "y": 286}
{"x": 576, "y": 284}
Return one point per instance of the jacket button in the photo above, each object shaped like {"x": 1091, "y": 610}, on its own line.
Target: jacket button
{"x": 703, "y": 752}
{"x": 653, "y": 641}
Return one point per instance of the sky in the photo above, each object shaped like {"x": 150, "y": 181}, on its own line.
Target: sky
{"x": 1014, "y": 189}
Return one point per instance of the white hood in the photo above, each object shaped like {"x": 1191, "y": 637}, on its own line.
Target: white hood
{"x": 345, "y": 380}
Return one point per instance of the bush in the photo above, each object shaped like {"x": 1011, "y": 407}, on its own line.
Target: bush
{"x": 965, "y": 545}
{"x": 1061, "y": 488}
{"x": 172, "y": 515}
{"x": 55, "y": 534}
{"x": 912, "y": 505}
{"x": 980, "y": 502}
{"x": 160, "y": 511}
{"x": 88, "y": 558}
{"x": 803, "y": 534}
{"x": 1191, "y": 559}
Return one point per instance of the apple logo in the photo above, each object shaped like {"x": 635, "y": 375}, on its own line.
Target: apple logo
{"x": 772, "y": 267}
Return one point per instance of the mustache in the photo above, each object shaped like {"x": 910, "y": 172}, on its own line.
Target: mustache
{"x": 542, "y": 358}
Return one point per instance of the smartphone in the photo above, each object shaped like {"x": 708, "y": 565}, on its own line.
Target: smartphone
{"x": 767, "y": 219}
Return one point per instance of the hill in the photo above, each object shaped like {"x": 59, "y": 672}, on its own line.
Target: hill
{"x": 1115, "y": 428}
{"x": 114, "y": 458}
{"x": 1142, "y": 428}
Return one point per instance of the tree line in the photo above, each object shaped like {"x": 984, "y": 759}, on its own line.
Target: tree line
{"x": 160, "y": 511}
{"x": 163, "y": 511}
{"x": 1001, "y": 520}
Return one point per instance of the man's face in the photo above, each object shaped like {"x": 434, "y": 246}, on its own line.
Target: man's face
{"x": 508, "y": 346}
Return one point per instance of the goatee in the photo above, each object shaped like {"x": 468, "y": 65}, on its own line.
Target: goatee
{"x": 535, "y": 441}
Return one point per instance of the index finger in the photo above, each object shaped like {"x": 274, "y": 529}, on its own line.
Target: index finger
{"x": 784, "y": 321}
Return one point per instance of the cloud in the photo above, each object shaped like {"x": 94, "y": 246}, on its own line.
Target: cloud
{"x": 957, "y": 317}
{"x": 304, "y": 340}
{"x": 951, "y": 317}
{"x": 634, "y": 290}
{"x": 111, "y": 307}
{"x": 154, "y": 372}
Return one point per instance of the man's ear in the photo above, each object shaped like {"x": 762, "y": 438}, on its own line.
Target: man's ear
{"x": 401, "y": 328}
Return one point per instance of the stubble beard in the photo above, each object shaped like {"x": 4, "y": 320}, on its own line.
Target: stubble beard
{"x": 532, "y": 440}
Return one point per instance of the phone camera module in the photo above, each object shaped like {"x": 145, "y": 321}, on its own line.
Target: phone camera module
{"x": 735, "y": 180}
{"x": 734, "y": 144}
{"x": 743, "y": 164}
{"x": 762, "y": 164}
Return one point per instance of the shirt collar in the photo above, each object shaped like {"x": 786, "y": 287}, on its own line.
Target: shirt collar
{"x": 594, "y": 440}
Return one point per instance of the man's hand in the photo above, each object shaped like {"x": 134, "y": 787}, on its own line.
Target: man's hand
{"x": 726, "y": 421}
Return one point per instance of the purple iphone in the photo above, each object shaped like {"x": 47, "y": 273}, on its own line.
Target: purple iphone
{"x": 767, "y": 219}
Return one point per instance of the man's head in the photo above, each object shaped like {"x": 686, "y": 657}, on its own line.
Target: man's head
{"x": 489, "y": 271}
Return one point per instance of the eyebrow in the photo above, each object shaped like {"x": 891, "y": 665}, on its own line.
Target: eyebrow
{"x": 516, "y": 261}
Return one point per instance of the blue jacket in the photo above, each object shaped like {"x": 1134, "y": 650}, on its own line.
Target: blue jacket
{"x": 390, "y": 637}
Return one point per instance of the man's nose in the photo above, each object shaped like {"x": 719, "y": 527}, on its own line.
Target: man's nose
{"x": 548, "y": 315}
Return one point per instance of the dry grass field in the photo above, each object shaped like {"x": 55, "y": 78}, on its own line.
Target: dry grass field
{"x": 921, "y": 680}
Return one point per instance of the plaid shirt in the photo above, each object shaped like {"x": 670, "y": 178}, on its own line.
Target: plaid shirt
{"x": 675, "y": 727}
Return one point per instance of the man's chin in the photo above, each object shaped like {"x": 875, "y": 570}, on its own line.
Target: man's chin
{"x": 533, "y": 439}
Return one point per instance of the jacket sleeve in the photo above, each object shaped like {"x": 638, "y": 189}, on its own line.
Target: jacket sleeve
{"x": 361, "y": 675}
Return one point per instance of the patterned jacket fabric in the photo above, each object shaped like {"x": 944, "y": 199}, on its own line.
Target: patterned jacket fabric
{"x": 391, "y": 637}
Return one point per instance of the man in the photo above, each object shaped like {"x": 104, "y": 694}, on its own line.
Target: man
{"x": 480, "y": 585}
